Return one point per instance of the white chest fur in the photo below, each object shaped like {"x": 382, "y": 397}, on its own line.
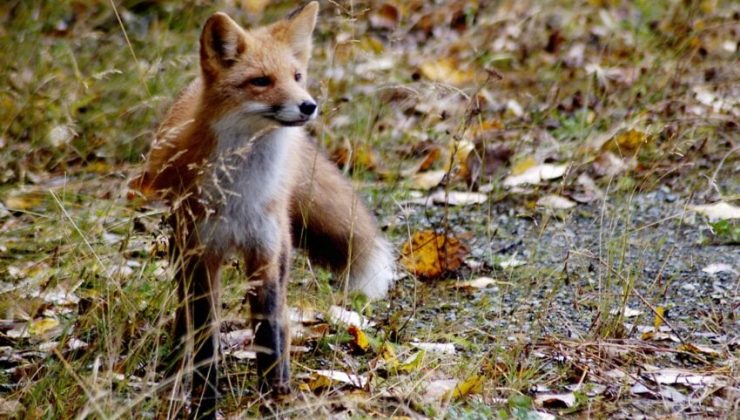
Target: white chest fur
{"x": 247, "y": 186}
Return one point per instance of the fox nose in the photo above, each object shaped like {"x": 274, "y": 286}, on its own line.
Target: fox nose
{"x": 307, "y": 107}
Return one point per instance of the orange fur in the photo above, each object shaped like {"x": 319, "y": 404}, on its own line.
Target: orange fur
{"x": 241, "y": 177}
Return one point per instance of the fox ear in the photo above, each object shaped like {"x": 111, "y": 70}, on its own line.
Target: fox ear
{"x": 296, "y": 31}
{"x": 221, "y": 43}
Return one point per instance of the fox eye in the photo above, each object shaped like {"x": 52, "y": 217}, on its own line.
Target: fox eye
{"x": 262, "y": 81}
{"x": 298, "y": 77}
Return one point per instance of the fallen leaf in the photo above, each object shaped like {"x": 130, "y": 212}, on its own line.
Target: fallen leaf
{"x": 536, "y": 174}
{"x": 719, "y": 210}
{"x": 699, "y": 349}
{"x": 659, "y": 336}
{"x": 428, "y": 180}
{"x": 10, "y": 408}
{"x": 626, "y": 312}
{"x": 607, "y": 164}
{"x": 359, "y": 156}
{"x": 511, "y": 262}
{"x": 446, "y": 70}
{"x": 413, "y": 362}
{"x": 429, "y": 254}
{"x": 359, "y": 338}
{"x": 484, "y": 161}
{"x": 424, "y": 163}
{"x": 659, "y": 318}
{"x": 244, "y": 354}
{"x": 445, "y": 389}
{"x": 339, "y": 315}
{"x": 626, "y": 143}
{"x": 60, "y": 135}
{"x": 43, "y": 326}
{"x": 237, "y": 338}
{"x": 565, "y": 400}
{"x": 479, "y": 283}
{"x": 586, "y": 190}
{"x": 24, "y": 201}
{"x": 438, "y": 389}
{"x": 56, "y": 296}
{"x": 719, "y": 268}
{"x": 76, "y": 344}
{"x": 458, "y": 198}
{"x": 556, "y": 202}
{"x": 358, "y": 381}
{"x": 472, "y": 385}
{"x": 673, "y": 376}
{"x": 441, "y": 348}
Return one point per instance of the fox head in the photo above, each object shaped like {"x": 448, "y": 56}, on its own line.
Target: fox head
{"x": 260, "y": 73}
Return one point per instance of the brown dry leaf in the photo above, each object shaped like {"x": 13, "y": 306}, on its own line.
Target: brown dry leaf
{"x": 446, "y": 70}
{"x": 424, "y": 163}
{"x": 429, "y": 254}
{"x": 484, "y": 161}
{"x": 386, "y": 16}
{"x": 360, "y": 339}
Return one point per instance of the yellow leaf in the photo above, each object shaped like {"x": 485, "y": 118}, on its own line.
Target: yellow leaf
{"x": 24, "y": 201}
{"x": 43, "y": 326}
{"x": 659, "y": 312}
{"x": 472, "y": 385}
{"x": 446, "y": 70}
{"x": 459, "y": 150}
{"x": 698, "y": 349}
{"x": 626, "y": 143}
{"x": 98, "y": 167}
{"x": 320, "y": 382}
{"x": 387, "y": 353}
{"x": 413, "y": 362}
{"x": 360, "y": 339}
{"x": 523, "y": 165}
{"x": 429, "y": 254}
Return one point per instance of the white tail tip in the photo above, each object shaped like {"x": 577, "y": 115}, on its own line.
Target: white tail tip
{"x": 373, "y": 274}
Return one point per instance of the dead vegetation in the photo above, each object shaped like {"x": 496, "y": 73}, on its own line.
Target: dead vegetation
{"x": 559, "y": 179}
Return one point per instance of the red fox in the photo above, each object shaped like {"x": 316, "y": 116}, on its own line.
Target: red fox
{"x": 241, "y": 176}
